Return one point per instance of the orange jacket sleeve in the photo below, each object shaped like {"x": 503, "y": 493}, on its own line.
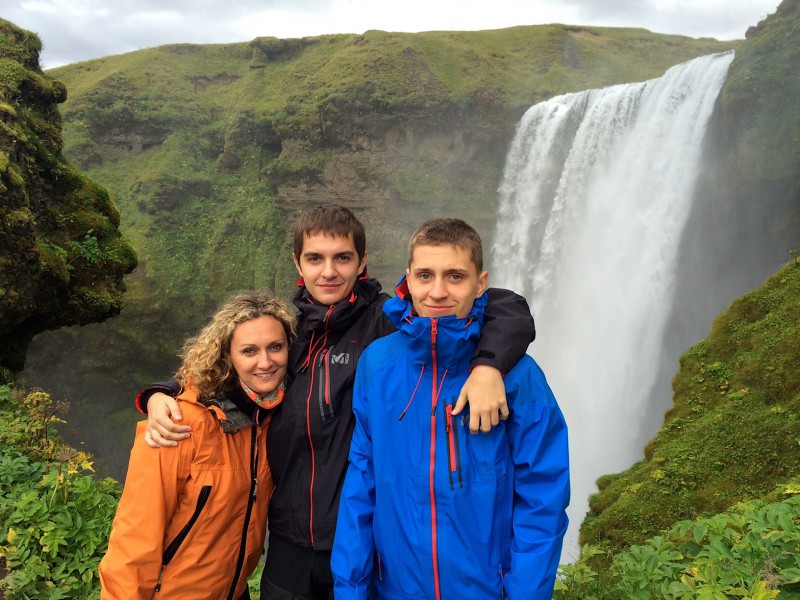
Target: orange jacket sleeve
{"x": 131, "y": 567}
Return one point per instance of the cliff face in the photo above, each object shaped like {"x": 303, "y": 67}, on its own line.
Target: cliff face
{"x": 62, "y": 258}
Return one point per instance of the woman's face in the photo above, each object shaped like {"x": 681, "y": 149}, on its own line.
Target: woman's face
{"x": 260, "y": 353}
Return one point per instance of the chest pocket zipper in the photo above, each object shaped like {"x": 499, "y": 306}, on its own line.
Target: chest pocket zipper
{"x": 176, "y": 543}
{"x": 453, "y": 448}
{"x": 324, "y": 386}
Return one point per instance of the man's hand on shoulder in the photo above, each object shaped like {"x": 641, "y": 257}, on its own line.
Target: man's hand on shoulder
{"x": 162, "y": 412}
{"x": 486, "y": 394}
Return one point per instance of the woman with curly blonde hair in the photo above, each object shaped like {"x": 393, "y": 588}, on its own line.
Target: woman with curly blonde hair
{"x": 188, "y": 524}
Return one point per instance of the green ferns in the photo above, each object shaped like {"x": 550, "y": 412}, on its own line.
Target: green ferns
{"x": 55, "y": 517}
{"x": 747, "y": 553}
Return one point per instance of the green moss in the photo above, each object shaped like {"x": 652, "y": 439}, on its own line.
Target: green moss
{"x": 54, "y": 260}
{"x": 46, "y": 212}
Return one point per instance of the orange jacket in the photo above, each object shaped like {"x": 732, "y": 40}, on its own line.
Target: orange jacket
{"x": 187, "y": 525}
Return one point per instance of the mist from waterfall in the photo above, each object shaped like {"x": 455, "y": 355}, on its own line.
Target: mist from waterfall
{"x": 597, "y": 190}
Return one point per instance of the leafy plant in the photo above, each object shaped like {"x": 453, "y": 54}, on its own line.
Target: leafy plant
{"x": 88, "y": 249}
{"x": 747, "y": 553}
{"x": 55, "y": 518}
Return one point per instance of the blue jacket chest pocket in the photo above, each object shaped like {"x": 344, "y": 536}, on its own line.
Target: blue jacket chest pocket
{"x": 473, "y": 458}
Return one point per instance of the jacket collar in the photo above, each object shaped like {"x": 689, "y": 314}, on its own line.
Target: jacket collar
{"x": 456, "y": 338}
{"x": 315, "y": 316}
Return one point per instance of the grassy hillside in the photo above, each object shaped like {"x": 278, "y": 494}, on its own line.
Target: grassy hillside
{"x": 732, "y": 434}
{"x": 209, "y": 150}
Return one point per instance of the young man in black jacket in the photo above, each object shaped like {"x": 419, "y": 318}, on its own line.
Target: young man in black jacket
{"x": 309, "y": 435}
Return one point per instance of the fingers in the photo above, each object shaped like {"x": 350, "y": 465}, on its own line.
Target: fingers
{"x": 489, "y": 420}
{"x": 504, "y": 410}
{"x": 474, "y": 422}
{"x": 149, "y": 440}
{"x": 486, "y": 420}
{"x": 174, "y": 408}
{"x": 155, "y": 440}
{"x": 161, "y": 430}
{"x": 165, "y": 433}
{"x": 462, "y": 402}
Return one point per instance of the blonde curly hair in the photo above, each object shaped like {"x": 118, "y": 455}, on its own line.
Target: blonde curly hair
{"x": 207, "y": 365}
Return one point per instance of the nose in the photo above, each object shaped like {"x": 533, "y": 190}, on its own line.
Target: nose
{"x": 264, "y": 360}
{"x": 328, "y": 272}
{"x": 438, "y": 289}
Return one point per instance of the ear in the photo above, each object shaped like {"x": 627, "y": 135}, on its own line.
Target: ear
{"x": 296, "y": 264}
{"x": 483, "y": 280}
{"x": 363, "y": 266}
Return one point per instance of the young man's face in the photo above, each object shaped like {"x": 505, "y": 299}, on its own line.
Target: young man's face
{"x": 329, "y": 266}
{"x": 444, "y": 281}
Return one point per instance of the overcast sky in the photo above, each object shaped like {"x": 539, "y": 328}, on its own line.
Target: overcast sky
{"x": 76, "y": 30}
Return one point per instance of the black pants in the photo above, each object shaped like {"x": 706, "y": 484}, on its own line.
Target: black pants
{"x": 296, "y": 573}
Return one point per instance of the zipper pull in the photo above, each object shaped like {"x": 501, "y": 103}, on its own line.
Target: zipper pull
{"x": 255, "y": 487}
{"x": 160, "y": 575}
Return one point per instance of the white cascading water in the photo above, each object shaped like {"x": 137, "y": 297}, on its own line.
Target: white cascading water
{"x": 596, "y": 192}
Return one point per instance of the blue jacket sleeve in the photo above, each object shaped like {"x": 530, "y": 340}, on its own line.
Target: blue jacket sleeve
{"x": 353, "y": 545}
{"x": 538, "y": 435}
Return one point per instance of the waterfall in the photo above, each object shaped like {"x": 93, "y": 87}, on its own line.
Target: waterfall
{"x": 597, "y": 190}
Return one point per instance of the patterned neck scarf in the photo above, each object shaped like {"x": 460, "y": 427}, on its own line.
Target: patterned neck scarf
{"x": 270, "y": 400}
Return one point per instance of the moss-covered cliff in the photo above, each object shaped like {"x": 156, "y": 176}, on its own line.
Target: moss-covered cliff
{"x": 62, "y": 257}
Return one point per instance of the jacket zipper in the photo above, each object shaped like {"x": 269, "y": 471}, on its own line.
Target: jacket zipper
{"x": 251, "y": 499}
{"x": 434, "y": 399}
{"x": 175, "y": 544}
{"x": 311, "y": 439}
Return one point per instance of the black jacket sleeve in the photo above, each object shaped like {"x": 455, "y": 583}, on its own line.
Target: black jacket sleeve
{"x": 507, "y": 331}
{"x": 170, "y": 388}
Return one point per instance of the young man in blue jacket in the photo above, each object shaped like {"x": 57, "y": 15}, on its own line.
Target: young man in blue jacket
{"x": 427, "y": 510}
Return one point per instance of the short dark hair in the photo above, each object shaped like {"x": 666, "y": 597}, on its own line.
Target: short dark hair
{"x": 330, "y": 219}
{"x": 448, "y": 232}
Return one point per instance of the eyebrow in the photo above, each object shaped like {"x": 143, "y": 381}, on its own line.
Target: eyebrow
{"x": 447, "y": 272}
{"x": 311, "y": 254}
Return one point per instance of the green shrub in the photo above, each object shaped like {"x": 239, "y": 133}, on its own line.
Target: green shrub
{"x": 747, "y": 553}
{"x": 55, "y": 518}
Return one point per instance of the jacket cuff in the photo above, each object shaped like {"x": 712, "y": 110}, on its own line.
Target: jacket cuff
{"x": 170, "y": 388}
